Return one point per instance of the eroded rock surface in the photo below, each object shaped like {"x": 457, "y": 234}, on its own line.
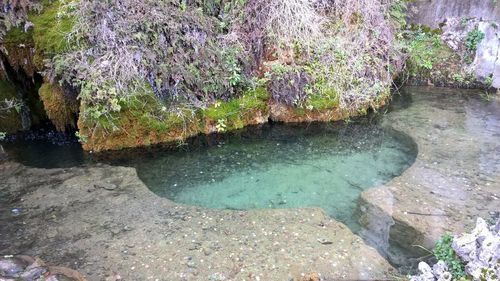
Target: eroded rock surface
{"x": 455, "y": 179}
{"x": 103, "y": 222}
{"x": 480, "y": 249}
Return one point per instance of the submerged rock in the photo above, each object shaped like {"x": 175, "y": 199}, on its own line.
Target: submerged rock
{"x": 313, "y": 276}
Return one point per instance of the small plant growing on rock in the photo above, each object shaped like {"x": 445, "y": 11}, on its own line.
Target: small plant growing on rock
{"x": 488, "y": 81}
{"x": 221, "y": 125}
{"x": 444, "y": 251}
{"x": 473, "y": 39}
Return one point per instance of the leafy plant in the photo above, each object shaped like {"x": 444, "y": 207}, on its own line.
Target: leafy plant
{"x": 444, "y": 251}
{"x": 81, "y": 138}
{"x": 488, "y": 81}
{"x": 458, "y": 77}
{"x": 398, "y": 12}
{"x": 221, "y": 125}
{"x": 474, "y": 37}
{"x": 463, "y": 22}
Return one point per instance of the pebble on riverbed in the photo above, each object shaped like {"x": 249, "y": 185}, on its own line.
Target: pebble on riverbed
{"x": 479, "y": 250}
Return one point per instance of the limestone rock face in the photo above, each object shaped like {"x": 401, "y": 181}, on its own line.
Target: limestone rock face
{"x": 438, "y": 272}
{"x": 487, "y": 60}
{"x": 434, "y": 12}
{"x": 481, "y": 250}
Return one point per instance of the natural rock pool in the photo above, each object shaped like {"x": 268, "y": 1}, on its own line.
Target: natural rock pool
{"x": 282, "y": 166}
{"x": 272, "y": 166}
{"x": 110, "y": 220}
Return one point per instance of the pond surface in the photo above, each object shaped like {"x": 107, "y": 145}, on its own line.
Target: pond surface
{"x": 281, "y": 166}
{"x": 272, "y": 166}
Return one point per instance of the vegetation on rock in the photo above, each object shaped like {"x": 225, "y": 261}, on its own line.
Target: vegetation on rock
{"x": 61, "y": 109}
{"x": 9, "y": 106}
{"x": 432, "y": 61}
{"x": 444, "y": 252}
{"x": 170, "y": 61}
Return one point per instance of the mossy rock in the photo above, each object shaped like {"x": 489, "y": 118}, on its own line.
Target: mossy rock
{"x": 16, "y": 36}
{"x": 10, "y": 121}
{"x": 19, "y": 50}
{"x": 61, "y": 109}
{"x": 46, "y": 38}
{"x": 141, "y": 121}
{"x": 248, "y": 109}
{"x": 51, "y": 28}
{"x": 144, "y": 121}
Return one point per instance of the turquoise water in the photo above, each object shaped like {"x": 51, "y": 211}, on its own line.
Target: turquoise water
{"x": 282, "y": 166}
{"x": 323, "y": 165}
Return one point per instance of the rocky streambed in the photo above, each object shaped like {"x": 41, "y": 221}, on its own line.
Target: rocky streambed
{"x": 104, "y": 222}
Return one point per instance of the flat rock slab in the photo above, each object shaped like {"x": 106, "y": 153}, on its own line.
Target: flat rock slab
{"x": 73, "y": 218}
{"x": 456, "y": 176}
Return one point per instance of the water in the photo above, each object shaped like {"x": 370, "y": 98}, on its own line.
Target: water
{"x": 272, "y": 166}
{"x": 326, "y": 166}
{"x": 283, "y": 167}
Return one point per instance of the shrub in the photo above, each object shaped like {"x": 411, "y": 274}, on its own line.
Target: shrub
{"x": 176, "y": 50}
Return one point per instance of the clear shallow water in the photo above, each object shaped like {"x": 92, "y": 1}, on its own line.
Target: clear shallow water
{"x": 272, "y": 166}
{"x": 283, "y": 166}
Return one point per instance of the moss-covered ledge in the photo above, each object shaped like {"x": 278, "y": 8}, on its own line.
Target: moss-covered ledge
{"x": 147, "y": 123}
{"x": 10, "y": 121}
{"x": 289, "y": 114}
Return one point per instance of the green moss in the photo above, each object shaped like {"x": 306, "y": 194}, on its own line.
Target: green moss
{"x": 324, "y": 102}
{"x": 10, "y": 122}
{"x": 142, "y": 112}
{"x": 7, "y": 90}
{"x": 223, "y": 110}
{"x": 50, "y": 28}
{"x": 17, "y": 36}
{"x": 59, "y": 108}
{"x": 143, "y": 120}
{"x": 234, "y": 109}
{"x": 426, "y": 50}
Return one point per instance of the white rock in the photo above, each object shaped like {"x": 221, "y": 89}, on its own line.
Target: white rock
{"x": 425, "y": 272}
{"x": 446, "y": 276}
{"x": 439, "y": 269}
{"x": 481, "y": 250}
